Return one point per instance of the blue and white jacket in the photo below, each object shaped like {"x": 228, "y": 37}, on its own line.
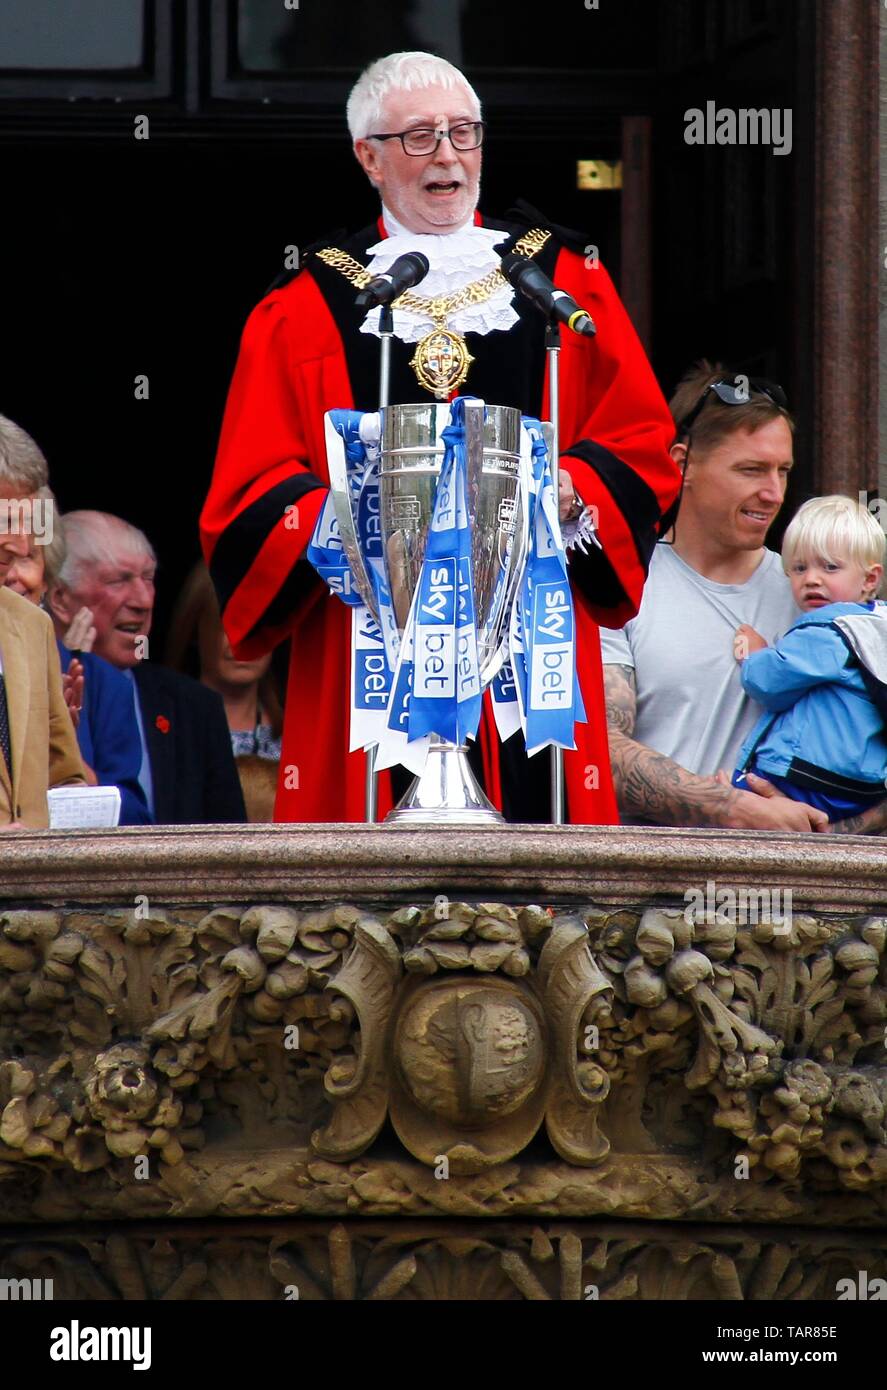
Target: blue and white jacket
{"x": 824, "y": 687}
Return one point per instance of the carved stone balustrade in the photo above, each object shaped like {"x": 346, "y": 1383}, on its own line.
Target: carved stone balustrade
{"x": 645, "y": 1063}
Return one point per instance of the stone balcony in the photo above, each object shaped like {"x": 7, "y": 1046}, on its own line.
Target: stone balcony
{"x": 533, "y": 1062}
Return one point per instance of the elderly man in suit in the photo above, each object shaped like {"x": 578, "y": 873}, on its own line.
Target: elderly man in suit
{"x": 188, "y": 772}
{"x": 38, "y": 746}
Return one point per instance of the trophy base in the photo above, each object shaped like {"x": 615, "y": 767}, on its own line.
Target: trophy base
{"x": 445, "y": 794}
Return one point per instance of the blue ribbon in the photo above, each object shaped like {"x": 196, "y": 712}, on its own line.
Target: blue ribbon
{"x": 552, "y": 700}
{"x": 446, "y": 695}
{"x": 372, "y": 658}
{"x": 325, "y": 550}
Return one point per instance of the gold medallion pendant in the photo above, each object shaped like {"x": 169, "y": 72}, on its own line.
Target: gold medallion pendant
{"x": 441, "y": 359}
{"x": 441, "y": 362}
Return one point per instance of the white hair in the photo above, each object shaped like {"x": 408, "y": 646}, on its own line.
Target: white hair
{"x": 833, "y": 528}
{"x": 21, "y": 461}
{"x": 91, "y": 538}
{"x": 53, "y": 551}
{"x": 400, "y": 72}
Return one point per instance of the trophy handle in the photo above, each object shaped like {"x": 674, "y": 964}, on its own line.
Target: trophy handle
{"x": 474, "y": 411}
{"x": 474, "y": 448}
{"x": 347, "y": 532}
{"x": 497, "y": 660}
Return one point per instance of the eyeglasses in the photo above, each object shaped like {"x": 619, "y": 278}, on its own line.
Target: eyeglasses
{"x": 466, "y": 135}
{"x": 735, "y": 390}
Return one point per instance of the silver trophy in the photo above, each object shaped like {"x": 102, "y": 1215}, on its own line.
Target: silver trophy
{"x": 411, "y": 460}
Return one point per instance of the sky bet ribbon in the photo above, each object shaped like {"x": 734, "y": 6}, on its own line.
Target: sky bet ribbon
{"x": 446, "y": 696}
{"x": 351, "y": 433}
{"x": 325, "y": 551}
{"x": 549, "y": 695}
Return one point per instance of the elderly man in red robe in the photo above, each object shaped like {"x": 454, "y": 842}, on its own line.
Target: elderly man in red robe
{"x": 417, "y": 132}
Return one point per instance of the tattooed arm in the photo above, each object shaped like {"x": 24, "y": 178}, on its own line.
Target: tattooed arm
{"x": 654, "y": 788}
{"x": 872, "y": 822}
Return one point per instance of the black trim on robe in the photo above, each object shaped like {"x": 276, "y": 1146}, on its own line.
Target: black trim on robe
{"x": 595, "y": 577}
{"x": 284, "y": 278}
{"x": 239, "y": 544}
{"x": 570, "y": 237}
{"x": 511, "y": 364}
{"x": 638, "y": 504}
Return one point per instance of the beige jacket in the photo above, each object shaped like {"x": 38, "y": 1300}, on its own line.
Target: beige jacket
{"x": 44, "y": 745}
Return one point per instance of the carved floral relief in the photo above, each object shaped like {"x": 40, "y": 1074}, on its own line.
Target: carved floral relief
{"x": 472, "y": 1029}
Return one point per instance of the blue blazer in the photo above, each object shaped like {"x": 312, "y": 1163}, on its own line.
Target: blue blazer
{"x": 108, "y": 733}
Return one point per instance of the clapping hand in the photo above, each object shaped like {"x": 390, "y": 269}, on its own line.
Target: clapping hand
{"x": 72, "y": 685}
{"x": 81, "y": 634}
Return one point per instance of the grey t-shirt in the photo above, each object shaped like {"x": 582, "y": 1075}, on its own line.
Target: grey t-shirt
{"x": 690, "y": 701}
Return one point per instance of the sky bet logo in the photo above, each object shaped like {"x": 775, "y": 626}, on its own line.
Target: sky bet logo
{"x": 434, "y": 673}
{"x": 552, "y": 682}
{"x": 466, "y": 642}
{"x": 439, "y": 602}
{"x": 371, "y": 671}
{"x": 368, "y": 523}
{"x": 340, "y": 583}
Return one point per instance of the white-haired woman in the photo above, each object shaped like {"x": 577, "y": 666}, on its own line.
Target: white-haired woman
{"x": 98, "y": 696}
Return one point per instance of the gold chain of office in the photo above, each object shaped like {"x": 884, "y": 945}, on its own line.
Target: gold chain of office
{"x": 441, "y": 359}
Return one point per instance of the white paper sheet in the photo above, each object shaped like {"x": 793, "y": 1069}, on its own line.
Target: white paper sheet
{"x": 83, "y": 808}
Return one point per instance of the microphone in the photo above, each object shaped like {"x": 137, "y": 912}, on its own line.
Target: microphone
{"x": 556, "y": 304}
{"x": 403, "y": 274}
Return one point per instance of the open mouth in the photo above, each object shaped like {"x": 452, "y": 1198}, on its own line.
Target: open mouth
{"x": 762, "y": 518}
{"x": 443, "y": 190}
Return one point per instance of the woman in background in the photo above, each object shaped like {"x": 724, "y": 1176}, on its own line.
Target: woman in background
{"x": 197, "y": 645}
{"x": 98, "y": 696}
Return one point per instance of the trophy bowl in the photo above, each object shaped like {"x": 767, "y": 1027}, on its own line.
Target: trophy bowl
{"x": 412, "y": 453}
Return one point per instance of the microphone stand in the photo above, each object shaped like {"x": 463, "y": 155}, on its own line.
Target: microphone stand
{"x": 552, "y": 351}
{"x": 386, "y": 333}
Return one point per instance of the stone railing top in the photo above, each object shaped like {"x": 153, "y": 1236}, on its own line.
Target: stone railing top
{"x": 307, "y": 863}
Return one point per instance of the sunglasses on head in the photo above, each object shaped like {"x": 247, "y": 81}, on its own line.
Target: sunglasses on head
{"x": 735, "y": 390}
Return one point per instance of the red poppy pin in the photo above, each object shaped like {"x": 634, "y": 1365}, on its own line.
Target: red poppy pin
{"x": 162, "y": 723}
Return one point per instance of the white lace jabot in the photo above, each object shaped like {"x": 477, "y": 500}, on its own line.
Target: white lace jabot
{"x": 455, "y": 260}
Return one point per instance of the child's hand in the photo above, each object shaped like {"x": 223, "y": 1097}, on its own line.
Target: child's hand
{"x": 746, "y": 641}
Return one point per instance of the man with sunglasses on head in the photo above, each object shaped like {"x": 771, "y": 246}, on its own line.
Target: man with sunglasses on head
{"x": 676, "y": 709}
{"x": 417, "y": 132}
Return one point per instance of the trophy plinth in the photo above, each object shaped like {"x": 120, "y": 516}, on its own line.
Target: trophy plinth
{"x": 446, "y": 793}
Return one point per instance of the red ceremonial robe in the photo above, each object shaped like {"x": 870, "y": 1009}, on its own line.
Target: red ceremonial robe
{"x": 302, "y": 354}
